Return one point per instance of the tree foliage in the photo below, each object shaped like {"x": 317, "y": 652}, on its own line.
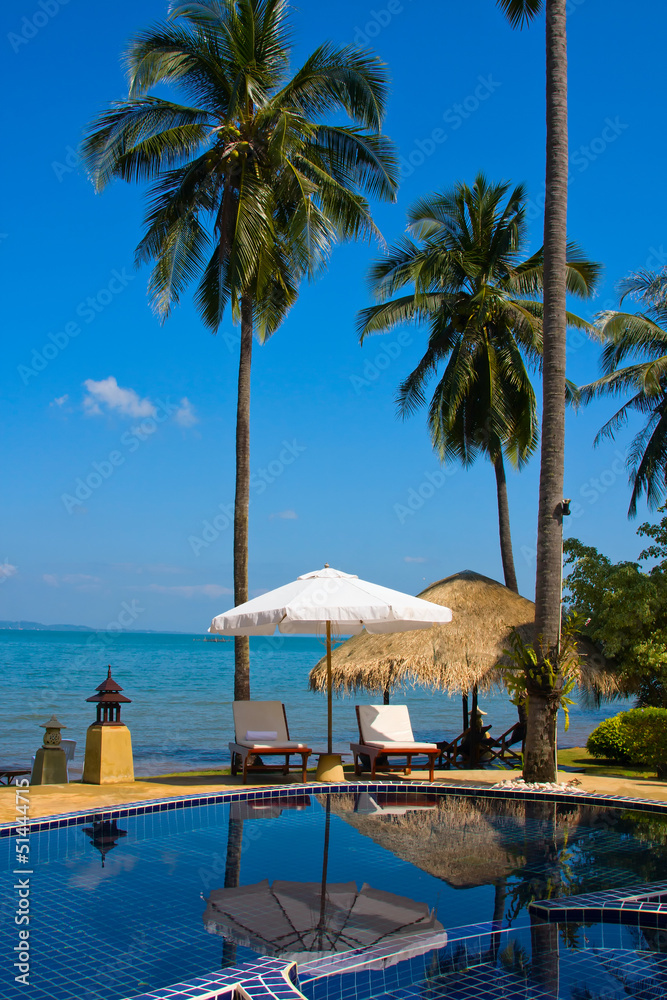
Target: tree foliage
{"x": 625, "y": 606}
{"x": 254, "y": 175}
{"x": 640, "y": 339}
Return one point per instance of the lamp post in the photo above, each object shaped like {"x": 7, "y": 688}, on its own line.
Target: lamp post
{"x": 50, "y": 761}
{"x": 108, "y": 757}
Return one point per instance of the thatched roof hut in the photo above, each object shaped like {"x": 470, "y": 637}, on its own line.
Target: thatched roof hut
{"x": 456, "y": 657}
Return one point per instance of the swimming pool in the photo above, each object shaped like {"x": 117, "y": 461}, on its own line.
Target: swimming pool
{"x": 131, "y": 904}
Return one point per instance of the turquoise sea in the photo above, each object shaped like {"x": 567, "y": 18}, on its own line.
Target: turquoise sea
{"x": 181, "y": 690}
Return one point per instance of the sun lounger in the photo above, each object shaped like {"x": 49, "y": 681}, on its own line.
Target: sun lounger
{"x": 9, "y": 774}
{"x": 450, "y": 751}
{"x": 385, "y": 731}
{"x": 502, "y": 747}
{"x": 261, "y": 731}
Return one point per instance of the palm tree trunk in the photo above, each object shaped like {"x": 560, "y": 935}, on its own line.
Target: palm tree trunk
{"x": 232, "y": 878}
{"x": 506, "y": 553}
{"x": 549, "y": 523}
{"x": 242, "y": 500}
{"x": 539, "y": 762}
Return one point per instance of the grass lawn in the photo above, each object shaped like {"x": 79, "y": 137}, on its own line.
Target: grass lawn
{"x": 579, "y": 759}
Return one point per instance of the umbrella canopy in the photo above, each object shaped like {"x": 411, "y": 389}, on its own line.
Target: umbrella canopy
{"x": 463, "y": 655}
{"x": 328, "y": 595}
{"x": 297, "y": 921}
{"x": 337, "y": 602}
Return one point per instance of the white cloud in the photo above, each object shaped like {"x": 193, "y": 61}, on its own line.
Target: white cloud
{"x": 7, "y": 570}
{"x": 80, "y": 581}
{"x": 149, "y": 568}
{"x": 60, "y": 400}
{"x": 108, "y": 393}
{"x": 185, "y": 415}
{"x": 415, "y": 559}
{"x": 284, "y": 515}
{"x": 77, "y": 578}
{"x": 212, "y": 590}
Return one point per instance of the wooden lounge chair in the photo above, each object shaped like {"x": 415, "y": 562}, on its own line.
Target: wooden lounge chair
{"x": 11, "y": 773}
{"x": 451, "y": 751}
{"x": 261, "y": 731}
{"x": 501, "y": 747}
{"x": 385, "y": 731}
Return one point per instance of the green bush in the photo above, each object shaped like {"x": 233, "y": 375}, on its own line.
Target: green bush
{"x": 609, "y": 741}
{"x": 645, "y": 731}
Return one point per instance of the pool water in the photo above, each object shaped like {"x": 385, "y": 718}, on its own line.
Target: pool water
{"x": 117, "y": 909}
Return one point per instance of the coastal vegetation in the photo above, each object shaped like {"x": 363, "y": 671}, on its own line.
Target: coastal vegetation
{"x": 635, "y": 737}
{"x": 254, "y": 175}
{"x": 469, "y": 278}
{"x": 642, "y": 339}
{"x": 624, "y": 607}
{"x": 253, "y": 179}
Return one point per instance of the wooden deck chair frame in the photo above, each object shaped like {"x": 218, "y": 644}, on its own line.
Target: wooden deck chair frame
{"x": 500, "y": 747}
{"x": 260, "y": 749}
{"x": 450, "y": 751}
{"x": 364, "y": 749}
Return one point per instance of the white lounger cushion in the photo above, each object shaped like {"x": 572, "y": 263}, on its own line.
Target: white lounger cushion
{"x": 402, "y": 744}
{"x": 278, "y": 745}
{"x": 387, "y": 723}
{"x": 259, "y": 717}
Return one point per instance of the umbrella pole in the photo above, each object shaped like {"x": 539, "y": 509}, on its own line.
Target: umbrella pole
{"x": 325, "y": 866}
{"x": 329, "y": 693}
{"x": 465, "y": 711}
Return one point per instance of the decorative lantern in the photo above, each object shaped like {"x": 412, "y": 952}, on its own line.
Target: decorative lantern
{"x": 109, "y": 701}
{"x": 52, "y": 737}
{"x": 50, "y": 766}
{"x": 103, "y": 835}
{"x": 108, "y": 758}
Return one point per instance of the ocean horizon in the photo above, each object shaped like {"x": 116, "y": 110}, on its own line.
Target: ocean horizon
{"x": 181, "y": 691}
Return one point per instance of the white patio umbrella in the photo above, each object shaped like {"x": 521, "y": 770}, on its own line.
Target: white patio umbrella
{"x": 301, "y": 921}
{"x": 338, "y": 602}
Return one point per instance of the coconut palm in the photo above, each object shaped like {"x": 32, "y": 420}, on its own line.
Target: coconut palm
{"x": 540, "y": 743}
{"x": 251, "y": 184}
{"x": 469, "y": 278}
{"x": 641, "y": 337}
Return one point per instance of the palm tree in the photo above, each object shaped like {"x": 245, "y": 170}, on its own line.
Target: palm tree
{"x": 470, "y": 281}
{"x": 638, "y": 337}
{"x": 539, "y": 762}
{"x": 250, "y": 184}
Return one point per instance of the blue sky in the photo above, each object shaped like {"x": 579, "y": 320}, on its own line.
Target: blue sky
{"x": 94, "y": 388}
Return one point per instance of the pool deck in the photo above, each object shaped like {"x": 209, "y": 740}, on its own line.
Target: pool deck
{"x": 52, "y": 800}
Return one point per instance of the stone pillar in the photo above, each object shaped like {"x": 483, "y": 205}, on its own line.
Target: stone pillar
{"x": 50, "y": 766}
{"x": 108, "y": 758}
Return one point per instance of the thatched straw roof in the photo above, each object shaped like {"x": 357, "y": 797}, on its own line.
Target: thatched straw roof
{"x": 464, "y": 841}
{"x": 453, "y": 657}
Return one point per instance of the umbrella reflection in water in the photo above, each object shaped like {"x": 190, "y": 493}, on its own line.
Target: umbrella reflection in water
{"x": 301, "y": 921}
